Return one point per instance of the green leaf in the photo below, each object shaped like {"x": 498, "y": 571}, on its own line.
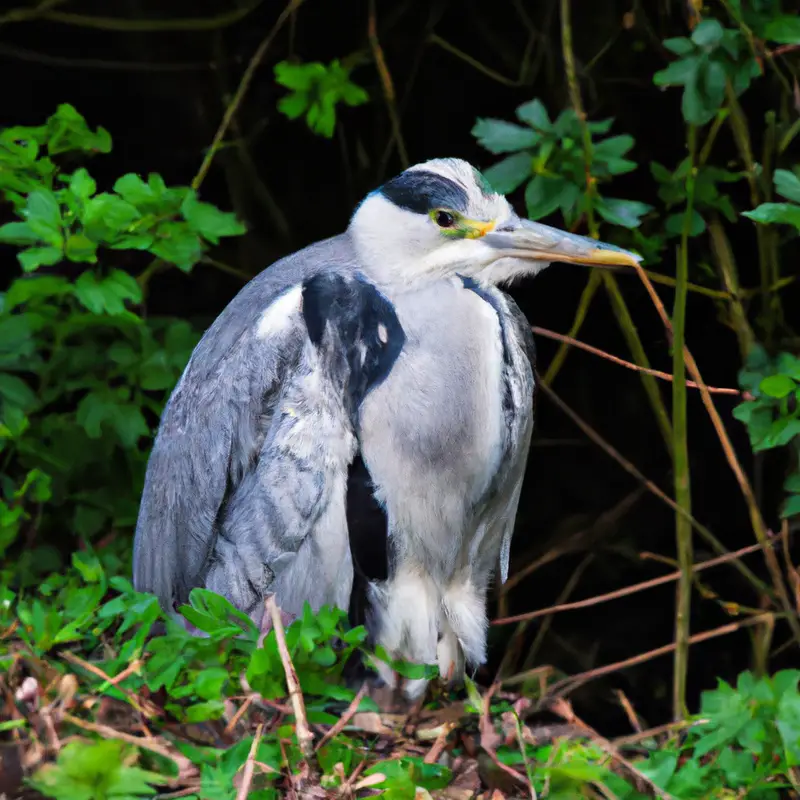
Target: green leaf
{"x": 42, "y": 205}
{"x": 680, "y": 45}
{"x": 627, "y": 213}
{"x": 792, "y": 507}
{"x": 535, "y": 114}
{"x": 614, "y": 146}
{"x": 107, "y": 214}
{"x": 678, "y": 73}
{"x": 82, "y": 184}
{"x": 294, "y": 105}
{"x": 544, "y": 195}
{"x": 708, "y": 33}
{"x": 300, "y": 77}
{"x": 177, "y": 243}
{"x": 209, "y": 221}
{"x": 43, "y": 215}
{"x": 704, "y": 92}
{"x": 792, "y": 483}
{"x": 787, "y": 185}
{"x": 208, "y": 683}
{"x": 766, "y": 213}
{"x": 19, "y": 233}
{"x": 783, "y": 29}
{"x": 135, "y": 191}
{"x": 510, "y": 173}
{"x": 777, "y": 386}
{"x": 35, "y": 257}
{"x": 80, "y": 248}
{"x": 498, "y": 136}
{"x": 107, "y": 296}
{"x": 15, "y": 391}
{"x": 788, "y": 724}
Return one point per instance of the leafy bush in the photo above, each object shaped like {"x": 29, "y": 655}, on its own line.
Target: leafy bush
{"x": 83, "y": 372}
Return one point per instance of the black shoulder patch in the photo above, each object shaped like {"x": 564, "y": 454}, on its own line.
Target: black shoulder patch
{"x": 382, "y": 332}
{"x": 323, "y": 295}
{"x": 367, "y": 332}
{"x": 420, "y": 191}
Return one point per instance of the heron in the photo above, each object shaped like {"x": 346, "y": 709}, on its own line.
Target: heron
{"x": 405, "y": 474}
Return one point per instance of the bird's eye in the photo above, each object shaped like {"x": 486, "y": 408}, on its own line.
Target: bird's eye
{"x": 444, "y": 219}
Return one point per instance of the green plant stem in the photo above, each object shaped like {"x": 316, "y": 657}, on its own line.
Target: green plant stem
{"x": 631, "y": 334}
{"x": 587, "y": 295}
{"x": 680, "y": 447}
{"x": 621, "y": 312}
{"x": 723, "y": 257}
{"x": 241, "y": 90}
{"x": 741, "y": 135}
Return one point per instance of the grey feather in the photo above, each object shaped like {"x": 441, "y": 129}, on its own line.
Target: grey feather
{"x": 214, "y": 425}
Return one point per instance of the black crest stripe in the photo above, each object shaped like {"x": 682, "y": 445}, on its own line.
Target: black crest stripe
{"x": 421, "y": 191}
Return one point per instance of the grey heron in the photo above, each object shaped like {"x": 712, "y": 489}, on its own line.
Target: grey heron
{"x": 436, "y": 435}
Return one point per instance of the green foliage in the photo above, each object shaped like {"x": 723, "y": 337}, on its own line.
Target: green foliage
{"x": 548, "y": 157}
{"x": 707, "y": 61}
{"x": 744, "y": 739}
{"x": 772, "y": 417}
{"x": 316, "y": 91}
{"x": 787, "y": 184}
{"x": 83, "y": 374}
{"x": 88, "y": 770}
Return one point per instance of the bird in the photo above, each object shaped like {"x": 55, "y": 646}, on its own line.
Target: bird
{"x": 441, "y": 428}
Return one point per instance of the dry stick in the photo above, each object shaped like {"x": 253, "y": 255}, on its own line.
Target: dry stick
{"x": 606, "y": 518}
{"x": 627, "y": 590}
{"x": 664, "y": 376}
{"x": 249, "y": 766}
{"x": 386, "y": 84}
{"x": 759, "y": 527}
{"x": 304, "y": 736}
{"x": 119, "y": 24}
{"x": 563, "y": 687}
{"x": 349, "y": 713}
{"x": 632, "y": 470}
{"x": 441, "y": 740}
{"x": 185, "y": 766}
{"x": 148, "y": 709}
{"x": 241, "y": 90}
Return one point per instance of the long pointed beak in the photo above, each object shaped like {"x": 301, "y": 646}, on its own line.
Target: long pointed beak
{"x": 521, "y": 238}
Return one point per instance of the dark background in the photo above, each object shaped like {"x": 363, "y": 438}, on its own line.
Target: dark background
{"x": 162, "y": 94}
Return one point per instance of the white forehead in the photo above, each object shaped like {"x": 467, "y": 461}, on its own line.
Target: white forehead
{"x": 483, "y": 203}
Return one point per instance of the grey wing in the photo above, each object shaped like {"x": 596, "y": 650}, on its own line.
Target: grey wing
{"x": 522, "y": 348}
{"x": 210, "y": 432}
{"x": 284, "y": 530}
{"x": 211, "y": 428}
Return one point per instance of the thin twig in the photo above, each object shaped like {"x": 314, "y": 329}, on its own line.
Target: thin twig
{"x": 757, "y": 521}
{"x": 386, "y": 84}
{"x": 155, "y": 25}
{"x": 438, "y": 746}
{"x": 304, "y": 736}
{"x": 664, "y": 376}
{"x": 627, "y": 590}
{"x": 563, "y": 687}
{"x": 48, "y": 59}
{"x": 241, "y": 90}
{"x": 148, "y": 709}
{"x": 349, "y": 713}
{"x": 759, "y": 585}
{"x": 185, "y": 766}
{"x": 249, "y": 766}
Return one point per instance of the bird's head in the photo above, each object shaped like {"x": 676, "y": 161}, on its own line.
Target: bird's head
{"x": 441, "y": 217}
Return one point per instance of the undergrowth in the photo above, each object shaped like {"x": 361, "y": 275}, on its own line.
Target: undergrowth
{"x": 106, "y": 707}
